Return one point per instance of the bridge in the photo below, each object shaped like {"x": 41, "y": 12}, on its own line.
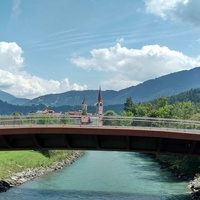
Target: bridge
{"x": 133, "y": 134}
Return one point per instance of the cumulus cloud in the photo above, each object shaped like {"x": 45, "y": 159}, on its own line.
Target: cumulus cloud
{"x": 136, "y": 65}
{"x": 185, "y": 10}
{"x": 10, "y": 56}
{"x": 16, "y": 81}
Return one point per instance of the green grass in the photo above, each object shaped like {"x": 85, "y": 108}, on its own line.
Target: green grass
{"x": 17, "y": 161}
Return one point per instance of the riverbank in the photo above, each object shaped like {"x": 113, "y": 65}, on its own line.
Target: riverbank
{"x": 195, "y": 188}
{"x": 183, "y": 167}
{"x": 30, "y": 173}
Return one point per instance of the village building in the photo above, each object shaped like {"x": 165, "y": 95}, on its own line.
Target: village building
{"x": 75, "y": 113}
{"x": 46, "y": 111}
{"x": 82, "y": 114}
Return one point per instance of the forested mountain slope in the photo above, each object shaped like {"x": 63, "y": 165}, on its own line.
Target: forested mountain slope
{"x": 167, "y": 85}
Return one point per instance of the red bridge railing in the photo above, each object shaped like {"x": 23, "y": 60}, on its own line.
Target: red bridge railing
{"x": 115, "y": 121}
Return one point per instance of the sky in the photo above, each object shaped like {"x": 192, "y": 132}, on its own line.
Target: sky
{"x": 54, "y": 46}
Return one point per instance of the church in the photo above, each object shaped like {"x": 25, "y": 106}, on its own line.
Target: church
{"x": 99, "y": 105}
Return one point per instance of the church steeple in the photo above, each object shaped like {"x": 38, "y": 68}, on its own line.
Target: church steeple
{"x": 99, "y": 104}
{"x": 84, "y": 107}
{"x": 99, "y": 96}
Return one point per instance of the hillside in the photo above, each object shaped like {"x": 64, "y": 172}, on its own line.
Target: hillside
{"x": 7, "y": 109}
{"x": 4, "y": 96}
{"x": 74, "y": 98}
{"x": 192, "y": 95}
{"x": 18, "y": 101}
{"x": 167, "y": 85}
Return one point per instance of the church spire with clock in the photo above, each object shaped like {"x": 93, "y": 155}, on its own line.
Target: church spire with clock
{"x": 99, "y": 105}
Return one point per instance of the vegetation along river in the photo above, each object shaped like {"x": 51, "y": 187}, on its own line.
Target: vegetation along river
{"x": 104, "y": 175}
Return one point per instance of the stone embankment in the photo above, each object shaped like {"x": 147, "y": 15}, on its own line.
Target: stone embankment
{"x": 22, "y": 177}
{"x": 195, "y": 188}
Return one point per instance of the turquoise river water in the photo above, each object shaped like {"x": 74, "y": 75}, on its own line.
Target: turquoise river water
{"x": 103, "y": 176}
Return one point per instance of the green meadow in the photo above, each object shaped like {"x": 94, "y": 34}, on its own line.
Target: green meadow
{"x": 17, "y": 161}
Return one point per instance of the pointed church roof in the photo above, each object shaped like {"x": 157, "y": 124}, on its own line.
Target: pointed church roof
{"x": 100, "y": 96}
{"x": 84, "y": 101}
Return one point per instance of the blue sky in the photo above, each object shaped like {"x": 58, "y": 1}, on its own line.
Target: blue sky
{"x": 53, "y": 46}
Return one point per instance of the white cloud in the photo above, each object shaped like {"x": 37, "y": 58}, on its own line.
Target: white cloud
{"x": 21, "y": 84}
{"x": 185, "y": 10}
{"x": 118, "y": 82}
{"x": 136, "y": 65}
{"x": 163, "y": 8}
{"x": 120, "y": 40}
{"x": 10, "y": 56}
{"x": 6, "y": 79}
{"x": 16, "y": 9}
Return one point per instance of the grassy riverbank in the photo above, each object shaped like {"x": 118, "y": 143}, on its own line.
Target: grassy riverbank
{"x": 17, "y": 161}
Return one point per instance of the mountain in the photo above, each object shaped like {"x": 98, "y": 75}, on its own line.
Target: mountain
{"x": 192, "y": 95}
{"x": 167, "y": 85}
{"x": 7, "y": 109}
{"x": 74, "y": 98}
{"x": 4, "y": 96}
{"x": 18, "y": 101}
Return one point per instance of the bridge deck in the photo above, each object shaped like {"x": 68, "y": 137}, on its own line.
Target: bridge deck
{"x": 148, "y": 140}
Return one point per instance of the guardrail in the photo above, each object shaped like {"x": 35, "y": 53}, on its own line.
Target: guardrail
{"x": 152, "y": 122}
{"x": 117, "y": 121}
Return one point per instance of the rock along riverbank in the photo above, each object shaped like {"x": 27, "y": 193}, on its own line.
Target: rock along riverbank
{"x": 195, "y": 188}
{"x": 29, "y": 174}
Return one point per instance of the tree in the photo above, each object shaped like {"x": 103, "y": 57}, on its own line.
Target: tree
{"x": 183, "y": 110}
{"x": 128, "y": 118}
{"x": 17, "y": 113}
{"x": 129, "y": 106}
{"x": 144, "y": 109}
{"x": 126, "y": 114}
{"x": 84, "y": 112}
{"x": 66, "y": 120}
{"x": 45, "y": 119}
{"x": 161, "y": 102}
{"x": 164, "y": 112}
{"x": 109, "y": 118}
{"x": 195, "y": 117}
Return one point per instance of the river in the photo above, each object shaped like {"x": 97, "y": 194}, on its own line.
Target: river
{"x": 103, "y": 176}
